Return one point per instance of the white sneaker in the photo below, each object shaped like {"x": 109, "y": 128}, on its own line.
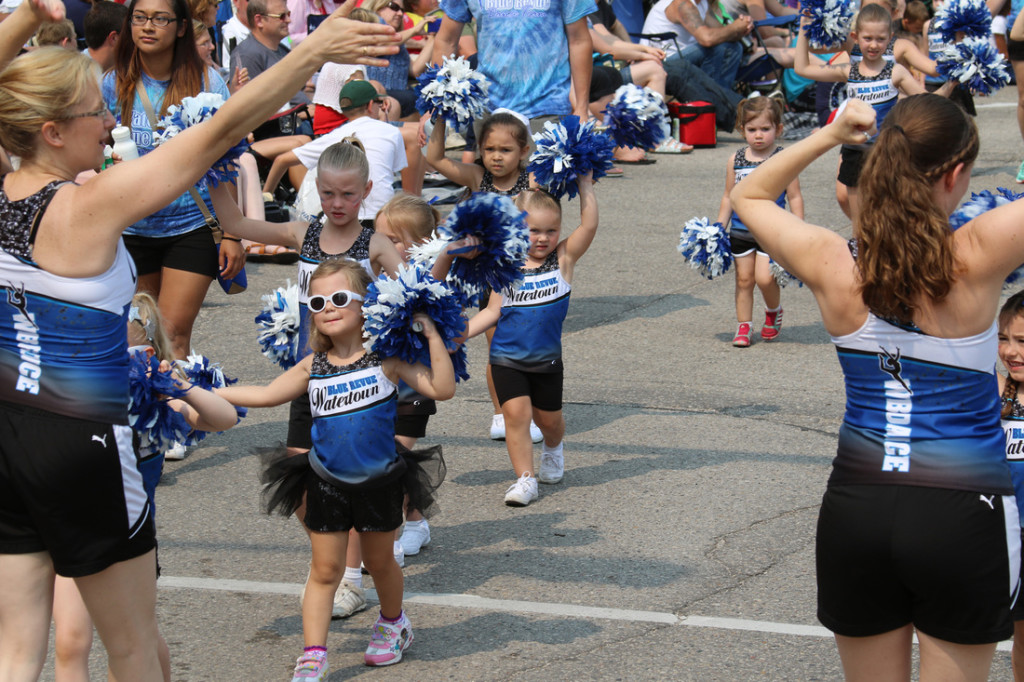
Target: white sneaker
{"x": 415, "y": 536}
{"x": 535, "y": 435}
{"x": 498, "y": 427}
{"x": 348, "y": 599}
{"x": 522, "y": 492}
{"x": 399, "y": 555}
{"x": 176, "y": 453}
{"x": 552, "y": 465}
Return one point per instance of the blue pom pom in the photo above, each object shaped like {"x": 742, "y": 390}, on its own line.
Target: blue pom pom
{"x": 976, "y": 63}
{"x": 389, "y": 308}
{"x": 453, "y": 91}
{"x": 970, "y": 17}
{"x": 504, "y": 241}
{"x": 149, "y": 413}
{"x": 193, "y": 111}
{"x": 829, "y": 24}
{"x": 979, "y": 203}
{"x": 279, "y": 323}
{"x": 567, "y": 150}
{"x": 706, "y": 247}
{"x": 637, "y": 117}
{"x": 206, "y": 375}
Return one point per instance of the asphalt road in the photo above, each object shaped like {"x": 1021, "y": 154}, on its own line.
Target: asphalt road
{"x": 680, "y": 544}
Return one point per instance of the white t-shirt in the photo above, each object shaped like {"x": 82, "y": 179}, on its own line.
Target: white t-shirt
{"x": 657, "y": 22}
{"x": 234, "y": 32}
{"x": 330, "y": 81}
{"x": 385, "y": 152}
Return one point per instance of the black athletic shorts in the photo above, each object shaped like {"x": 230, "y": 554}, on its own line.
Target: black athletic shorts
{"x": 300, "y": 424}
{"x": 742, "y": 244}
{"x": 72, "y": 488}
{"x": 851, "y": 161}
{"x": 330, "y": 509}
{"x": 945, "y": 560}
{"x": 192, "y": 252}
{"x": 543, "y": 388}
{"x": 1015, "y": 49}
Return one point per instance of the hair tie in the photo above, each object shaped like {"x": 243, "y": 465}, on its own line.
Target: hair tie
{"x": 897, "y": 126}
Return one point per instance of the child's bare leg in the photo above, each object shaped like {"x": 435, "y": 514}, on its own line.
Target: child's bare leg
{"x": 770, "y": 291}
{"x": 490, "y": 380}
{"x": 551, "y": 424}
{"x": 26, "y": 601}
{"x": 72, "y": 633}
{"x": 854, "y": 199}
{"x": 387, "y": 576}
{"x": 325, "y": 573}
{"x": 517, "y": 413}
{"x": 354, "y": 553}
{"x": 1017, "y": 654}
{"x": 744, "y": 268}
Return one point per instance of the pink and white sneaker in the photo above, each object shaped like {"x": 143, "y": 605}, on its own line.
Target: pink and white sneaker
{"x": 388, "y": 641}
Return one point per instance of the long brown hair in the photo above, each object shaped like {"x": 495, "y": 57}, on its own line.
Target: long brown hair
{"x": 906, "y": 246}
{"x": 187, "y": 67}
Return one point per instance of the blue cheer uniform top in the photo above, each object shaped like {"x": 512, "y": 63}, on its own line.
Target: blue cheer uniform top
{"x": 1013, "y": 429}
{"x": 878, "y": 91}
{"x": 528, "y": 335}
{"x": 310, "y": 256}
{"x": 742, "y": 167}
{"x": 353, "y": 410}
{"x": 920, "y": 411}
{"x": 63, "y": 340}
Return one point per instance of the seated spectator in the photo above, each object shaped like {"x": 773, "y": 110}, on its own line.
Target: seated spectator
{"x": 56, "y": 33}
{"x": 703, "y": 38}
{"x": 234, "y": 30}
{"x": 759, "y": 10}
{"x": 401, "y": 67}
{"x": 327, "y": 112}
{"x": 204, "y": 11}
{"x": 361, "y": 102}
{"x": 301, "y": 10}
{"x": 268, "y": 23}
{"x": 102, "y": 28}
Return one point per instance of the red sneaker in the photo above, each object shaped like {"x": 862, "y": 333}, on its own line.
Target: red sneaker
{"x": 742, "y": 338}
{"x": 772, "y": 325}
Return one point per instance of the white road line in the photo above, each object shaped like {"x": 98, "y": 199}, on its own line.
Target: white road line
{"x": 469, "y": 601}
{"x": 996, "y": 105}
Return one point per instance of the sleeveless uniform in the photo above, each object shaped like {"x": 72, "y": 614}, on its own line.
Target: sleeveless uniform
{"x": 528, "y": 336}
{"x": 522, "y": 184}
{"x": 310, "y": 256}
{"x": 357, "y": 469}
{"x": 740, "y": 238}
{"x": 919, "y": 490}
{"x": 837, "y": 91}
{"x": 1013, "y": 428}
{"x": 881, "y": 94}
{"x": 69, "y": 483}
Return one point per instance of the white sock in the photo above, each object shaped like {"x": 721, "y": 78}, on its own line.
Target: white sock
{"x": 398, "y": 546}
{"x": 354, "y": 576}
{"x": 773, "y": 310}
{"x": 421, "y": 522}
{"x": 557, "y": 450}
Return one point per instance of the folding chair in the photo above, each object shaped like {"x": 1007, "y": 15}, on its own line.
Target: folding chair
{"x": 764, "y": 73}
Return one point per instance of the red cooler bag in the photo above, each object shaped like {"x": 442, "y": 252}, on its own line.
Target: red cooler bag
{"x": 696, "y": 123}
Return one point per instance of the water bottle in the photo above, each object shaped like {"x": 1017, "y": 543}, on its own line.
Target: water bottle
{"x": 124, "y": 145}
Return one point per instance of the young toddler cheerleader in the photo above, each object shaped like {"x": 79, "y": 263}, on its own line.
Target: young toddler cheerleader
{"x": 526, "y": 351}
{"x": 352, "y": 476}
{"x": 1011, "y": 354}
{"x": 760, "y": 121}
{"x": 203, "y": 411}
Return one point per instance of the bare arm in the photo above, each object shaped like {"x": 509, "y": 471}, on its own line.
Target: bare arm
{"x": 817, "y": 70}
{"x": 205, "y": 411}
{"x": 384, "y": 256}
{"x": 903, "y": 81}
{"x": 418, "y": 65}
{"x": 1017, "y": 30}
{"x": 706, "y": 30}
{"x": 261, "y": 231}
{"x": 581, "y": 65}
{"x": 583, "y": 236}
{"x": 280, "y": 166}
{"x": 436, "y": 381}
{"x": 466, "y": 174}
{"x": 724, "y": 207}
{"x": 908, "y": 54}
{"x": 796, "y": 198}
{"x": 22, "y": 23}
{"x": 284, "y": 388}
{"x": 486, "y": 318}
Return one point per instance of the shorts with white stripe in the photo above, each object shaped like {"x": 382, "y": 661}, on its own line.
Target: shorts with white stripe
{"x": 72, "y": 488}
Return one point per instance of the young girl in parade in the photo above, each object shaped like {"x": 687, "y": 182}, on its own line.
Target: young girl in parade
{"x": 1011, "y": 354}
{"x": 407, "y": 220}
{"x": 873, "y": 78}
{"x": 352, "y": 477}
{"x": 526, "y": 351}
{"x": 203, "y": 411}
{"x": 504, "y": 144}
{"x": 760, "y": 121}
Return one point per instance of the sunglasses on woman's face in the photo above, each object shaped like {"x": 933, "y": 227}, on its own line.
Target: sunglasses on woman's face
{"x": 339, "y": 299}
{"x": 395, "y": 7}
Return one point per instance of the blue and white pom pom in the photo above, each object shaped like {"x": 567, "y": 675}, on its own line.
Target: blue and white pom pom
{"x": 388, "y": 309}
{"x": 976, "y": 63}
{"x": 567, "y": 150}
{"x": 970, "y": 17}
{"x": 206, "y": 375}
{"x": 504, "y": 241}
{"x": 706, "y": 247}
{"x": 782, "y": 276}
{"x": 279, "y": 323}
{"x": 149, "y": 411}
{"x": 981, "y": 202}
{"x": 637, "y": 117}
{"x": 426, "y": 254}
{"x": 830, "y": 21}
{"x": 193, "y": 111}
{"x": 453, "y": 91}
